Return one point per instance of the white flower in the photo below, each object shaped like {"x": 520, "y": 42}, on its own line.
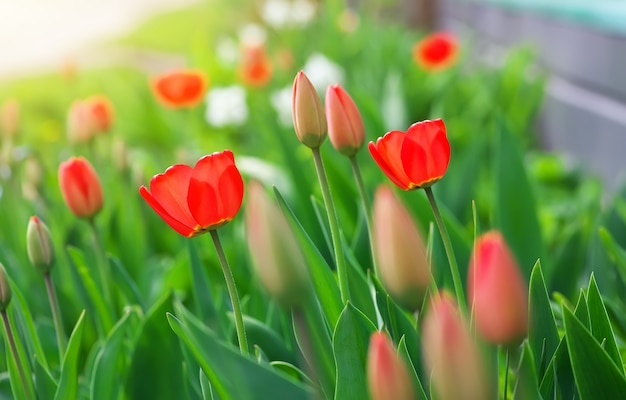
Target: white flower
{"x": 281, "y": 101}
{"x": 252, "y": 35}
{"x": 226, "y": 50}
{"x": 283, "y": 13}
{"x": 302, "y": 12}
{"x": 322, "y": 72}
{"x": 226, "y": 106}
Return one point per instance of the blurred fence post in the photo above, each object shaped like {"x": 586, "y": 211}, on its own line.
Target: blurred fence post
{"x": 421, "y": 14}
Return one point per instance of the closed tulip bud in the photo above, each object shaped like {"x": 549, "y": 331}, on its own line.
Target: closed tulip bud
{"x": 39, "y": 245}
{"x": 80, "y": 187}
{"x": 9, "y": 118}
{"x": 387, "y": 374}
{"x": 450, "y": 354}
{"x": 345, "y": 125}
{"x": 275, "y": 253}
{"x": 5, "y": 289}
{"x": 497, "y": 291}
{"x": 309, "y": 120}
{"x": 402, "y": 260}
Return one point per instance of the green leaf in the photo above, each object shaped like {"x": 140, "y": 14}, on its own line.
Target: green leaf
{"x": 201, "y": 289}
{"x": 350, "y": 344}
{"x": 515, "y": 212}
{"x": 124, "y": 282}
{"x": 526, "y": 384}
{"x": 26, "y": 319}
{"x": 315, "y": 344}
{"x": 581, "y": 311}
{"x": 417, "y": 384}
{"x": 107, "y": 374}
{"x": 569, "y": 262}
{"x": 232, "y": 375}
{"x": 291, "y": 370}
{"x": 20, "y": 390}
{"x": 205, "y": 385}
{"x": 359, "y": 287}
{"x": 543, "y": 336}
{"x": 324, "y": 281}
{"x": 45, "y": 385}
{"x": 600, "y": 324}
{"x": 68, "y": 383}
{"x": 596, "y": 375}
{"x": 558, "y": 377}
{"x": 615, "y": 252}
{"x": 104, "y": 317}
{"x": 261, "y": 335}
{"x": 155, "y": 371}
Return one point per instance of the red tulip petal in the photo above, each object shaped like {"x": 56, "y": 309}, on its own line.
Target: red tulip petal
{"x": 169, "y": 189}
{"x": 439, "y": 155}
{"x": 386, "y": 153}
{"x": 231, "y": 191}
{"x": 216, "y": 189}
{"x": 415, "y": 161}
{"x": 172, "y": 222}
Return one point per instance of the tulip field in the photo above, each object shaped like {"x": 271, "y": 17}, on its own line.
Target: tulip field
{"x": 300, "y": 200}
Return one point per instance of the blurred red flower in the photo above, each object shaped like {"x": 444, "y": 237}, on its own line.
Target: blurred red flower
{"x": 436, "y": 52}
{"x": 416, "y": 158}
{"x": 255, "y": 68}
{"x": 195, "y": 200}
{"x": 180, "y": 89}
{"x": 89, "y": 117}
{"x": 80, "y": 187}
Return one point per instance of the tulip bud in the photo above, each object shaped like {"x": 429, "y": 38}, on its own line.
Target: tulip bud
{"x": 275, "y": 253}
{"x": 345, "y": 125}
{"x": 9, "y": 118}
{"x": 497, "y": 291}
{"x": 402, "y": 260}
{"x": 309, "y": 120}
{"x": 387, "y": 374}
{"x": 450, "y": 354}
{"x": 80, "y": 187}
{"x": 5, "y": 289}
{"x": 39, "y": 245}
{"x": 89, "y": 117}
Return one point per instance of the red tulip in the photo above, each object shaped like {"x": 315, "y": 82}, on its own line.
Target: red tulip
{"x": 387, "y": 374}
{"x": 497, "y": 290}
{"x": 450, "y": 354}
{"x": 345, "y": 125}
{"x": 196, "y": 200}
{"x": 101, "y": 113}
{"x": 180, "y": 89}
{"x": 89, "y": 117}
{"x": 256, "y": 68}
{"x": 80, "y": 187}
{"x": 436, "y": 52}
{"x": 416, "y": 158}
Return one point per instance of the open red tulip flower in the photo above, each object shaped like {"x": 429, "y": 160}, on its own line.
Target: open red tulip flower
{"x": 416, "y": 158}
{"x": 436, "y": 52}
{"x": 180, "y": 89}
{"x": 256, "y": 68}
{"x": 195, "y": 200}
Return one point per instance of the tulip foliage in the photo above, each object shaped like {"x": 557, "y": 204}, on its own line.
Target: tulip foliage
{"x": 166, "y": 238}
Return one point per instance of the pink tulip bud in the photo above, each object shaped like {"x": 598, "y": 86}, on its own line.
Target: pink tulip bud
{"x": 450, "y": 354}
{"x": 387, "y": 374}
{"x": 88, "y": 118}
{"x": 497, "y": 291}
{"x": 275, "y": 253}
{"x": 345, "y": 125}
{"x": 9, "y": 118}
{"x": 401, "y": 253}
{"x": 309, "y": 120}
{"x": 80, "y": 187}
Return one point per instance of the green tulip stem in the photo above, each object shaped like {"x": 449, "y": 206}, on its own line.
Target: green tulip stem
{"x": 232, "y": 292}
{"x": 16, "y": 356}
{"x": 447, "y": 244}
{"x": 56, "y": 316}
{"x": 340, "y": 260}
{"x": 367, "y": 209}
{"x": 102, "y": 264}
{"x": 506, "y": 374}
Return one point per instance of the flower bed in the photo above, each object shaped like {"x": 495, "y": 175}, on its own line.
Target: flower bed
{"x": 451, "y": 258}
